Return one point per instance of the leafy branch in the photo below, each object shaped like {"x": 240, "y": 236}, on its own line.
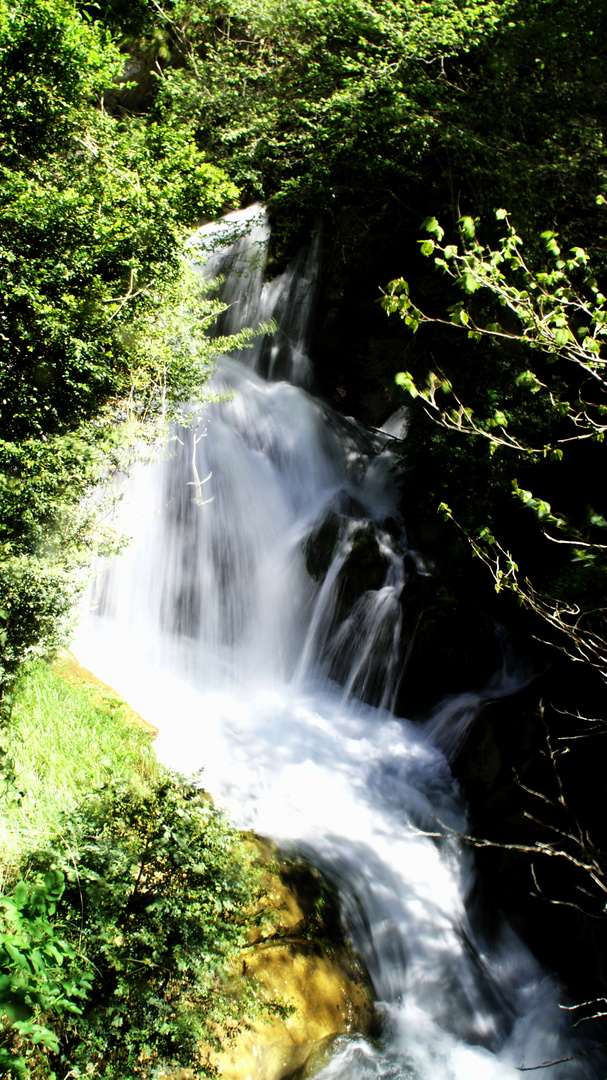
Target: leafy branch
{"x": 581, "y": 634}
{"x": 554, "y": 314}
{"x": 564, "y": 321}
{"x": 39, "y": 981}
{"x": 560, "y": 314}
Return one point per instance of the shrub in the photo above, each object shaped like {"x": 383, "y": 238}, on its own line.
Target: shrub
{"x": 158, "y": 889}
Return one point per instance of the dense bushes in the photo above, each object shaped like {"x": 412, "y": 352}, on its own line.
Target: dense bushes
{"x": 41, "y": 982}
{"x": 92, "y": 216}
{"x": 126, "y": 897}
{"x": 117, "y": 948}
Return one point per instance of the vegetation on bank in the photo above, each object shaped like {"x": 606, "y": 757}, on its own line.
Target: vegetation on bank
{"x": 126, "y": 899}
{"x": 93, "y": 212}
{"x": 66, "y": 741}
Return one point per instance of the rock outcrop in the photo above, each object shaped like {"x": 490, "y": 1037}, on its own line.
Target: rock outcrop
{"x": 314, "y": 986}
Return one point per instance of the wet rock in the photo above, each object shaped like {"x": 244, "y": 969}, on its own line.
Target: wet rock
{"x": 313, "y": 984}
{"x": 451, "y": 639}
{"x": 319, "y": 546}
{"x": 364, "y": 569}
{"x": 364, "y": 566}
{"x": 532, "y": 770}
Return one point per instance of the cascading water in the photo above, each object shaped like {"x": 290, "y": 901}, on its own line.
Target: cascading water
{"x": 232, "y": 623}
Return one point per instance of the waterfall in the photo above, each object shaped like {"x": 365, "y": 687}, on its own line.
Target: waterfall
{"x": 255, "y": 619}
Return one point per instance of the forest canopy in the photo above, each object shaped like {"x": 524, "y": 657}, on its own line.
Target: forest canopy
{"x": 93, "y": 211}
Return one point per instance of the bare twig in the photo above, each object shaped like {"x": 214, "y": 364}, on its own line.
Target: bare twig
{"x": 197, "y": 482}
{"x": 560, "y": 1061}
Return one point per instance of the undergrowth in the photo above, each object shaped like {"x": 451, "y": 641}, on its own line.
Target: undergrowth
{"x": 127, "y": 897}
{"x": 63, "y": 740}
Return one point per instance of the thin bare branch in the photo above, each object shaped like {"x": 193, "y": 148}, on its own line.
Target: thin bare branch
{"x": 561, "y": 1061}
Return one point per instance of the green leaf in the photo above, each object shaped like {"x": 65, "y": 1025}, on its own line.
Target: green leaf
{"x": 17, "y": 1011}
{"x": 17, "y": 957}
{"x": 398, "y": 286}
{"x": 470, "y": 283}
{"x": 529, "y": 380}
{"x": 468, "y": 227}
{"x": 431, "y": 225}
{"x": 406, "y": 380}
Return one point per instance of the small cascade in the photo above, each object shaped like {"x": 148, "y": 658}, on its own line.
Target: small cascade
{"x": 255, "y": 619}
{"x": 235, "y": 249}
{"x": 451, "y": 721}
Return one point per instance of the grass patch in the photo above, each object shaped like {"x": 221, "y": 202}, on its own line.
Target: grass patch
{"x": 65, "y": 741}
{"x": 126, "y": 897}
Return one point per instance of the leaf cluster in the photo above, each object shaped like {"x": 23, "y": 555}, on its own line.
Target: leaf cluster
{"x": 559, "y": 314}
{"x": 157, "y": 889}
{"x": 93, "y": 213}
{"x": 40, "y": 979}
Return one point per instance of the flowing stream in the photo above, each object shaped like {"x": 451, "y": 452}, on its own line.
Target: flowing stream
{"x": 255, "y": 619}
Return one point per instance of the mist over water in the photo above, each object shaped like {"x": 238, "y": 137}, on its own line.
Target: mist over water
{"x": 230, "y": 623}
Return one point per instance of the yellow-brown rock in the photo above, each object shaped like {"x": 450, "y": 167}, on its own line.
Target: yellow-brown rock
{"x": 303, "y": 965}
{"x": 325, "y": 1001}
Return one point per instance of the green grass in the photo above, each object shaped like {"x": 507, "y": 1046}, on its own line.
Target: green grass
{"x": 130, "y": 965}
{"x": 64, "y": 740}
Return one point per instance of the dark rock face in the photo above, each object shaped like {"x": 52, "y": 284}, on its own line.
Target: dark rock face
{"x": 364, "y": 569}
{"x": 531, "y": 770}
{"x": 452, "y": 642}
{"x": 319, "y": 546}
{"x": 364, "y": 565}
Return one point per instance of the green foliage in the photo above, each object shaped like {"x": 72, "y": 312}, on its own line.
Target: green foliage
{"x": 54, "y": 63}
{"x": 528, "y": 133}
{"x": 336, "y": 104}
{"x": 93, "y": 212}
{"x": 119, "y": 948}
{"x": 559, "y": 313}
{"x": 89, "y": 241}
{"x": 64, "y": 740}
{"x": 312, "y": 105}
{"x": 564, "y": 318}
{"x": 40, "y": 981}
{"x": 158, "y": 885}
{"x": 38, "y": 596}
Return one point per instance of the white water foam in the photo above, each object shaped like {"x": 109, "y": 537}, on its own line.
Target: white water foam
{"x": 216, "y": 628}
